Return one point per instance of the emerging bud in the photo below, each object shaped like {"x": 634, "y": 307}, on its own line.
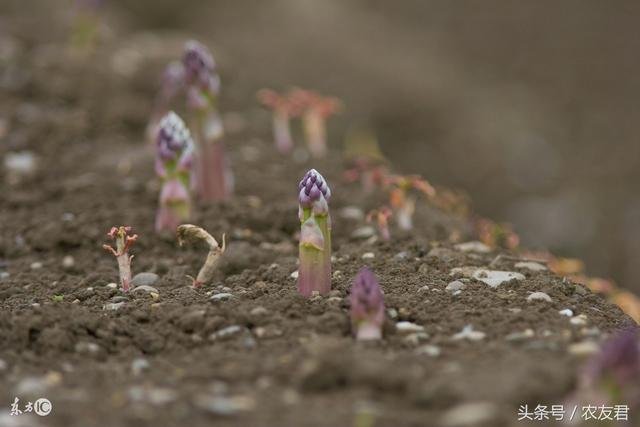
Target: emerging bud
{"x": 123, "y": 242}
{"x": 174, "y": 159}
{"x": 367, "y": 306}
{"x": 214, "y": 180}
{"x": 188, "y": 232}
{"x": 315, "y": 234}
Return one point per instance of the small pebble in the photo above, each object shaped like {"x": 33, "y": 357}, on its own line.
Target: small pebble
{"x": 416, "y": 337}
{"x": 68, "y": 262}
{"x": 145, "y": 288}
{"x": 533, "y": 266}
{"x": 496, "y": 278}
{"x": 20, "y": 163}
{"x": 590, "y": 332}
{"x": 583, "y": 349}
{"x": 3, "y": 365}
{"x": 224, "y": 406}
{"x": 113, "y": 306}
{"x": 566, "y": 312}
{"x": 119, "y": 298}
{"x": 478, "y": 247}
{"x": 4, "y": 275}
{"x": 144, "y": 279}
{"x": 368, "y": 255}
{"x": 258, "y": 311}
{"x": 455, "y": 286}
{"x": 112, "y": 285}
{"x": 423, "y": 288}
{"x": 539, "y": 296}
{"x": 429, "y": 350}
{"x": 363, "y": 232}
{"x": 393, "y": 313}
{"x": 520, "y": 336}
{"x": 579, "y": 320}
{"x": 468, "y": 333}
{"x": 401, "y": 256}
{"x": 221, "y": 297}
{"x": 36, "y": 265}
{"x": 294, "y": 275}
{"x": 408, "y": 327}
{"x": 227, "y": 332}
{"x": 87, "y": 348}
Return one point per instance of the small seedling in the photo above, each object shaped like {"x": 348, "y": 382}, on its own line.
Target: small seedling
{"x": 497, "y": 235}
{"x": 123, "y": 242}
{"x": 282, "y": 111}
{"x": 315, "y": 110}
{"x": 381, "y": 216}
{"x": 214, "y": 180}
{"x": 401, "y": 199}
{"x": 367, "y": 306}
{"x": 171, "y": 84}
{"x": 57, "y": 298}
{"x": 192, "y": 233}
{"x": 174, "y": 160}
{"x": 314, "y": 273}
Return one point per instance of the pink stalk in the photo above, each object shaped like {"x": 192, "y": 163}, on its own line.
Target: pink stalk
{"x": 316, "y": 110}
{"x": 367, "y": 306}
{"x": 213, "y": 180}
{"x": 174, "y": 160}
{"x": 314, "y": 273}
{"x": 123, "y": 243}
{"x": 282, "y": 111}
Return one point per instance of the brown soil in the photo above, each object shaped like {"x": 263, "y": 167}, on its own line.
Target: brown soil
{"x": 292, "y": 362}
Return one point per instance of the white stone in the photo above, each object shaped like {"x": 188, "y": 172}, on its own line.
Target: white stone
{"x": 68, "y": 262}
{"x": 20, "y": 163}
{"x": 221, "y": 296}
{"x": 408, "y": 327}
{"x": 474, "y": 246}
{"x": 352, "y": 212}
{"x": 584, "y": 348}
{"x": 533, "y": 266}
{"x": 495, "y": 278}
{"x": 539, "y": 296}
{"x": 368, "y": 255}
{"x": 579, "y": 320}
{"x": 294, "y": 275}
{"x": 468, "y": 333}
{"x": 455, "y": 286}
{"x": 36, "y": 265}
{"x": 112, "y": 285}
{"x": 566, "y": 312}
{"x": 429, "y": 350}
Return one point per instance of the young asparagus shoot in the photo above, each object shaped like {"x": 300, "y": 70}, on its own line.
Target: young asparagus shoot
{"x": 613, "y": 374}
{"x": 282, "y": 110}
{"x": 401, "y": 199}
{"x": 367, "y": 306}
{"x": 314, "y": 274}
{"x": 316, "y": 110}
{"x": 193, "y": 233}
{"x": 171, "y": 84}
{"x": 174, "y": 160}
{"x": 214, "y": 180}
{"x": 123, "y": 242}
{"x": 381, "y": 217}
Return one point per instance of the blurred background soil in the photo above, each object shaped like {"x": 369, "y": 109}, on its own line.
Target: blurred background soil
{"x": 530, "y": 107}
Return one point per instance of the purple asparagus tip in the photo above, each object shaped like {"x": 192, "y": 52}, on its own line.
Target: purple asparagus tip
{"x": 618, "y": 360}
{"x": 367, "y": 306}
{"x": 199, "y": 66}
{"x": 313, "y": 188}
{"x": 173, "y": 137}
